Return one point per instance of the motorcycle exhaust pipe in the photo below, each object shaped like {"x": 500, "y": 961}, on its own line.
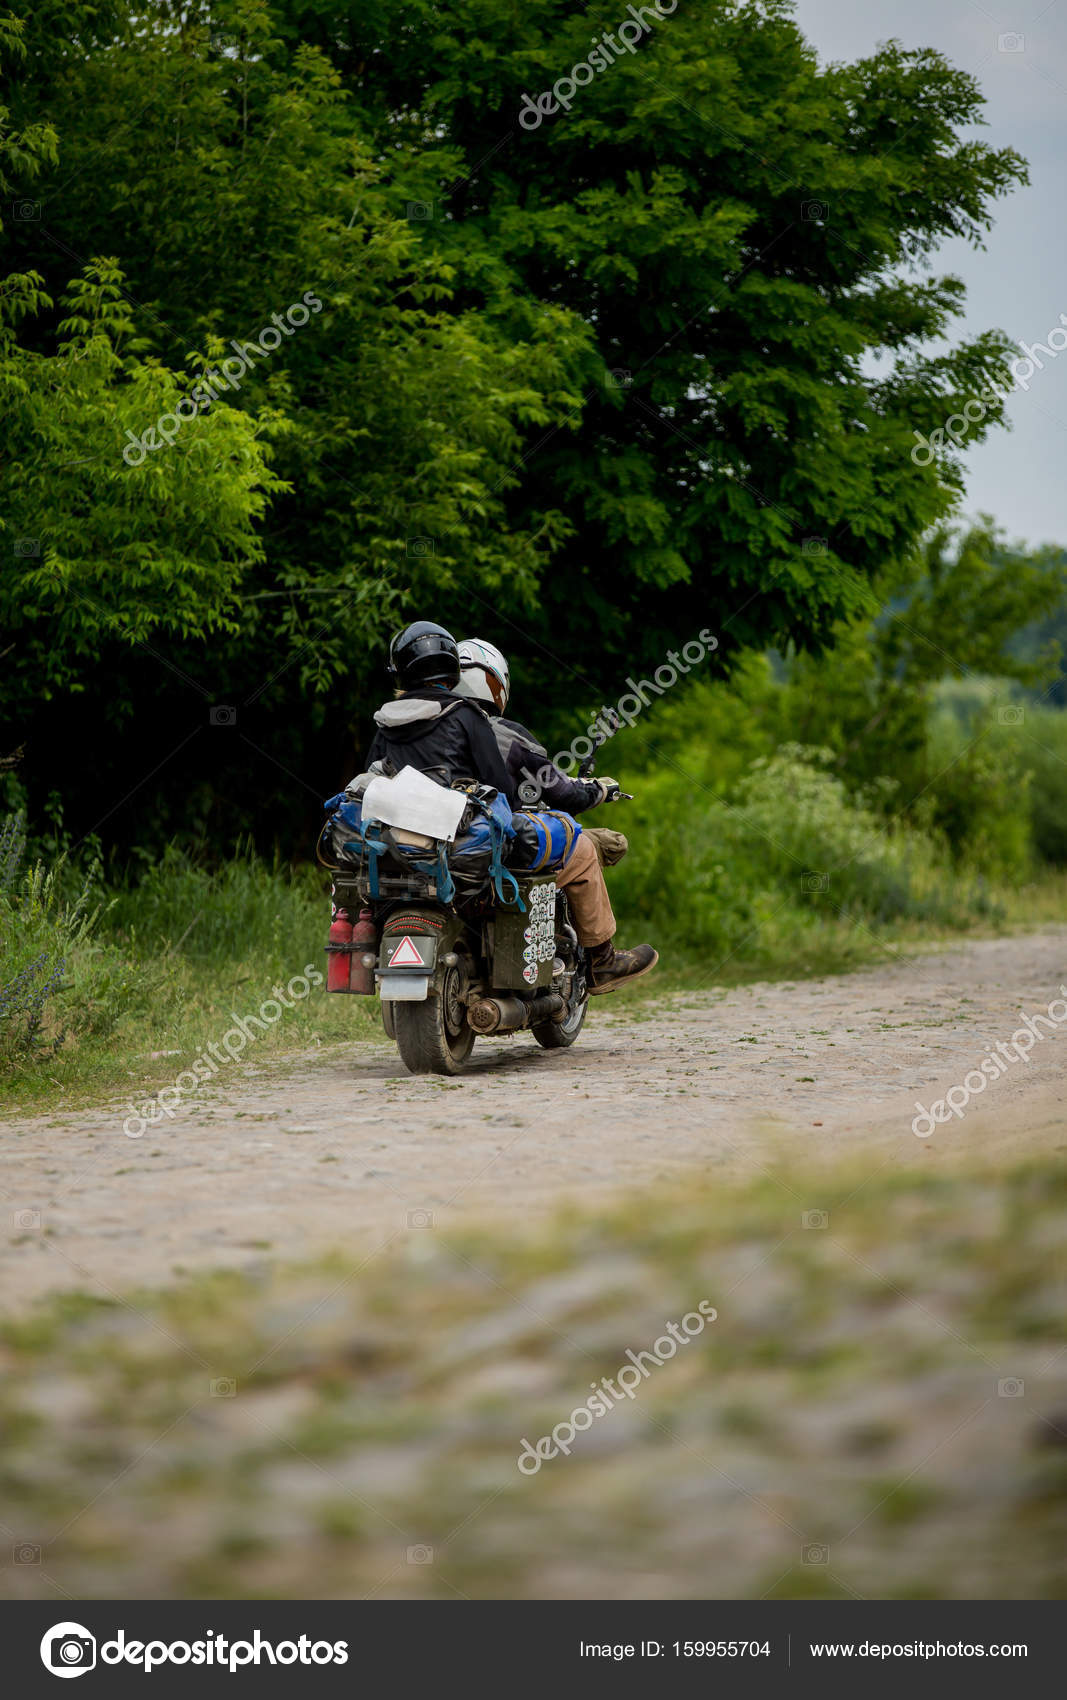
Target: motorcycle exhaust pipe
{"x": 508, "y": 1014}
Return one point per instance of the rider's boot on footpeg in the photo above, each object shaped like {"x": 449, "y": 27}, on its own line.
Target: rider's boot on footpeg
{"x": 610, "y": 968}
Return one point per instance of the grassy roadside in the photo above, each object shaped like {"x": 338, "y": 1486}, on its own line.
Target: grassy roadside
{"x": 879, "y": 1408}
{"x": 185, "y": 952}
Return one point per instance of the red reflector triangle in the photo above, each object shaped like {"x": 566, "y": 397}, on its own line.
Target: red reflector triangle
{"x": 406, "y": 955}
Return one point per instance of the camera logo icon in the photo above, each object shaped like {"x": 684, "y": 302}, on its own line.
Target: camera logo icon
{"x": 222, "y": 715}
{"x": 815, "y": 1219}
{"x": 1010, "y": 715}
{"x": 420, "y": 1555}
{"x": 813, "y": 881}
{"x": 419, "y": 547}
{"x": 68, "y": 1649}
{"x": 814, "y": 212}
{"x": 421, "y": 1219}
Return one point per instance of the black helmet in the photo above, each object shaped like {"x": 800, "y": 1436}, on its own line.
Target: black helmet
{"x": 424, "y": 654}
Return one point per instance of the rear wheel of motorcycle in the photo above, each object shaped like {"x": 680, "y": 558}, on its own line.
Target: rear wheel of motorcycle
{"x": 433, "y": 1037}
{"x": 557, "y": 1035}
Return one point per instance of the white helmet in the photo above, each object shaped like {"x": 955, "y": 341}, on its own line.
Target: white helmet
{"x": 483, "y": 674}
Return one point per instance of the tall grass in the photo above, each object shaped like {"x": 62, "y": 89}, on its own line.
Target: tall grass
{"x": 792, "y": 874}
{"x": 56, "y": 975}
{"x": 137, "y": 978}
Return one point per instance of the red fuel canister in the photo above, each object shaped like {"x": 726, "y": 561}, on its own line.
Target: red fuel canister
{"x": 340, "y": 953}
{"x": 364, "y": 943}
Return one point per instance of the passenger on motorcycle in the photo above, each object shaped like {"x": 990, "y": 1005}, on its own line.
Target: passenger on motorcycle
{"x": 485, "y": 678}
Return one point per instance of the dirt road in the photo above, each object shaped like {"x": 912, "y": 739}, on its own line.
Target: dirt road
{"x": 340, "y": 1148}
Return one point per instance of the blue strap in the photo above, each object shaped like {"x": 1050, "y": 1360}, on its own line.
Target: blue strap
{"x": 446, "y": 885}
{"x": 501, "y": 877}
{"x": 439, "y": 871}
{"x": 375, "y": 847}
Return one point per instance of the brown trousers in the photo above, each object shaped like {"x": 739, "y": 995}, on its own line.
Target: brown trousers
{"x": 583, "y": 881}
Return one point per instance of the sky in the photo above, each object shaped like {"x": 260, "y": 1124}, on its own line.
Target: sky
{"x": 1017, "y": 49}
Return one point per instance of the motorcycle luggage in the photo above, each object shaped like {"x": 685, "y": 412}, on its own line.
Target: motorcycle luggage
{"x": 544, "y": 839}
{"x": 486, "y": 825}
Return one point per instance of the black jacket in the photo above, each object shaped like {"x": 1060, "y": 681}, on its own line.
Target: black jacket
{"x": 437, "y": 733}
{"x": 525, "y": 758}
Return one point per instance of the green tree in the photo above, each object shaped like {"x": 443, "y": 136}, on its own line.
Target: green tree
{"x": 91, "y": 549}
{"x": 740, "y": 229}
{"x": 587, "y": 387}
{"x": 953, "y": 612}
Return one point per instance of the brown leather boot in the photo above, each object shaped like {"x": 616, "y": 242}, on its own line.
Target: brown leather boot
{"x": 610, "y": 968}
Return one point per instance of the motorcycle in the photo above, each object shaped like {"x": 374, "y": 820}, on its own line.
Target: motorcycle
{"x": 455, "y": 953}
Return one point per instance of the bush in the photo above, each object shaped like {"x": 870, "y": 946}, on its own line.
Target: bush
{"x": 1046, "y": 758}
{"x": 56, "y": 980}
{"x": 791, "y": 872}
{"x": 1002, "y": 792}
{"x": 223, "y": 914}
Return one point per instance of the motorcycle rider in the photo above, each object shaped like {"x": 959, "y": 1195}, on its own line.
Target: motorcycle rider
{"x": 485, "y": 678}
{"x": 429, "y": 727}
{"x": 425, "y": 726}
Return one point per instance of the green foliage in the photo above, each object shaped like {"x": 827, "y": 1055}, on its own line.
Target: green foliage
{"x": 952, "y": 612}
{"x": 742, "y": 300}
{"x": 914, "y": 799}
{"x": 148, "y": 970}
{"x": 1044, "y": 756}
{"x": 213, "y": 916}
{"x": 97, "y": 549}
{"x": 389, "y": 419}
{"x": 1021, "y": 745}
{"x": 718, "y": 217}
{"x": 57, "y": 980}
{"x": 793, "y": 873}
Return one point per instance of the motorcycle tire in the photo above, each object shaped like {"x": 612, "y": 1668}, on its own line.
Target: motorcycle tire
{"x": 433, "y": 1037}
{"x": 558, "y": 1035}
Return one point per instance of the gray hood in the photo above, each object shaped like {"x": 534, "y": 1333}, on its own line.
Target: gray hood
{"x": 407, "y": 711}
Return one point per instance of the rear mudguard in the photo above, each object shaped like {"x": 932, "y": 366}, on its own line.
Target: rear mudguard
{"x": 414, "y": 939}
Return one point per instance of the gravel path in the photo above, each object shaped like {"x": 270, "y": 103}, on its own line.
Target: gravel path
{"x": 340, "y": 1148}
